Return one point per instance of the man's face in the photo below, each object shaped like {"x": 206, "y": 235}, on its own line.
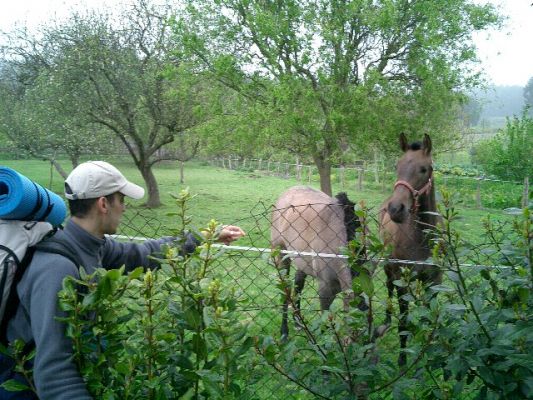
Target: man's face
{"x": 116, "y": 209}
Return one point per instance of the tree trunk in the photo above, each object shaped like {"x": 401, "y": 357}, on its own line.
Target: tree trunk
{"x": 152, "y": 187}
{"x": 59, "y": 168}
{"x": 182, "y": 175}
{"x": 75, "y": 160}
{"x": 324, "y": 171}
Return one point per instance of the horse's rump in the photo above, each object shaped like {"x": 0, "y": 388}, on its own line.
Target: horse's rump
{"x": 308, "y": 220}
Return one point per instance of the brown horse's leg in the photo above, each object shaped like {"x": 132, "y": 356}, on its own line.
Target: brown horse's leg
{"x": 285, "y": 264}
{"x": 402, "y": 324}
{"x": 299, "y": 282}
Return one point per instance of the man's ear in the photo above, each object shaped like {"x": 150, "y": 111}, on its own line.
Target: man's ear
{"x": 102, "y": 205}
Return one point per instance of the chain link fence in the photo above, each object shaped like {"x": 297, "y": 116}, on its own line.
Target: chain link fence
{"x": 316, "y": 245}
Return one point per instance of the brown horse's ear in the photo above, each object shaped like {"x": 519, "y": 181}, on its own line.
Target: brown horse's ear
{"x": 404, "y": 145}
{"x": 427, "y": 144}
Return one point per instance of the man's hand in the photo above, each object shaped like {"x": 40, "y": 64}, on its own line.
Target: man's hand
{"x": 229, "y": 233}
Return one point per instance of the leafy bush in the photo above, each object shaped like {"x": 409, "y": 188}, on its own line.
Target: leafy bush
{"x": 169, "y": 333}
{"x": 508, "y": 154}
{"x": 458, "y": 170}
{"x": 483, "y": 337}
{"x": 178, "y": 333}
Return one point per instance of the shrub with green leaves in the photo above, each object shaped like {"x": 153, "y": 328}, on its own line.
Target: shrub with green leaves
{"x": 508, "y": 154}
{"x": 483, "y": 337}
{"x": 169, "y": 333}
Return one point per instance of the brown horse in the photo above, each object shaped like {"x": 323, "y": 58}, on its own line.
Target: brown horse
{"x": 406, "y": 220}
{"x": 308, "y": 220}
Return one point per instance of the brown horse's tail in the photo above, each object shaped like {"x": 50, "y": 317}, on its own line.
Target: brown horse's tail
{"x": 352, "y": 224}
{"x": 351, "y": 221}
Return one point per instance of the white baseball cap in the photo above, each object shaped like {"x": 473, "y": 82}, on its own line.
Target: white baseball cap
{"x": 93, "y": 179}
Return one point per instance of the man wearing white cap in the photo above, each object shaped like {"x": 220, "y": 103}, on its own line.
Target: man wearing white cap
{"x": 96, "y": 192}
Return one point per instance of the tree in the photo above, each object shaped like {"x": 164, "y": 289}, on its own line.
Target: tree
{"x": 114, "y": 74}
{"x": 37, "y": 122}
{"x": 528, "y": 96}
{"x": 325, "y": 73}
{"x": 471, "y": 111}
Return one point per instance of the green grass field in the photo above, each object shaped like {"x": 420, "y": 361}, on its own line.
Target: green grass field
{"x": 245, "y": 197}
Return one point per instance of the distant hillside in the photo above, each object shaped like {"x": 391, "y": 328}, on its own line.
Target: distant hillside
{"x": 499, "y": 102}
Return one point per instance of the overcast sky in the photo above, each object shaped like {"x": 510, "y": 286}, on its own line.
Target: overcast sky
{"x": 506, "y": 55}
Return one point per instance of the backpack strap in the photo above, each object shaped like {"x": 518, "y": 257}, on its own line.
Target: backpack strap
{"x": 13, "y": 299}
{"x": 51, "y": 245}
{"x": 11, "y": 257}
{"x": 54, "y": 245}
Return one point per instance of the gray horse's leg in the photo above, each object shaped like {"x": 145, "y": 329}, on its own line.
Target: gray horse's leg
{"x": 326, "y": 294}
{"x": 285, "y": 264}
{"x": 299, "y": 282}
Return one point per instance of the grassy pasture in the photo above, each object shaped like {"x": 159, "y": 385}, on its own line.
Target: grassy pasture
{"x": 244, "y": 197}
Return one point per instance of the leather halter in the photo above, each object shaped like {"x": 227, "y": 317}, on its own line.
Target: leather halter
{"x": 415, "y": 193}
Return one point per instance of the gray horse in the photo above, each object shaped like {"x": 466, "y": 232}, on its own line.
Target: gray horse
{"x": 308, "y": 220}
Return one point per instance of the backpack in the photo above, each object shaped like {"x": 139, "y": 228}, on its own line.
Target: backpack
{"x": 18, "y": 242}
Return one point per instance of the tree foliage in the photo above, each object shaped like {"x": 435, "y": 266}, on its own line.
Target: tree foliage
{"x": 331, "y": 76}
{"x": 35, "y": 118}
{"x": 114, "y": 73}
{"x": 508, "y": 154}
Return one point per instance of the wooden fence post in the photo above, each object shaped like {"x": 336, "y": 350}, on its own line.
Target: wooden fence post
{"x": 478, "y": 194}
{"x": 376, "y": 169}
{"x": 260, "y": 164}
{"x": 268, "y": 167}
{"x": 342, "y": 175}
{"x": 360, "y": 173}
{"x": 525, "y": 196}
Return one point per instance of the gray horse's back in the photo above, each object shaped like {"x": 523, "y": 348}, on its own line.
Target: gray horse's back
{"x": 308, "y": 220}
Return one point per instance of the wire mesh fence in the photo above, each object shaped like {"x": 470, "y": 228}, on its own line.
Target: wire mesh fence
{"x": 283, "y": 246}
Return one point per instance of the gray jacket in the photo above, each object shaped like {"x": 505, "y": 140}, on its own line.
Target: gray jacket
{"x": 55, "y": 374}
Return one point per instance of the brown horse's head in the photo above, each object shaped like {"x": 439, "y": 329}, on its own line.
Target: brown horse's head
{"x": 414, "y": 174}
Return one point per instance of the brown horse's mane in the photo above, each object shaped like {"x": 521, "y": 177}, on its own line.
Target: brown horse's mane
{"x": 426, "y": 213}
{"x": 415, "y": 146}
